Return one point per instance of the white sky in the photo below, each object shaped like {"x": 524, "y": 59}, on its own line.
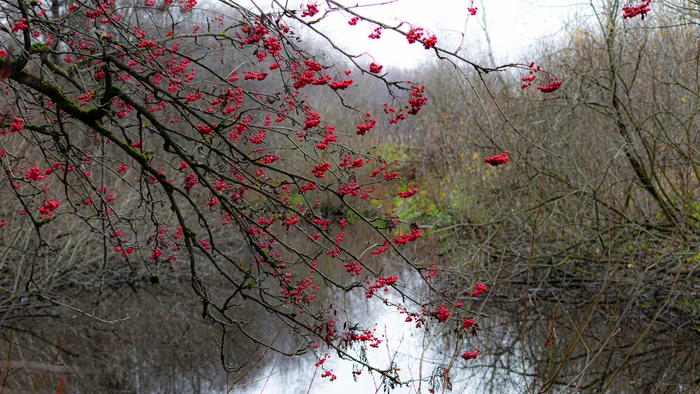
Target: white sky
{"x": 514, "y": 25}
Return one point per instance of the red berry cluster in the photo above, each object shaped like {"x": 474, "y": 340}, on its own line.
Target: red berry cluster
{"x": 432, "y": 271}
{"x": 364, "y": 336}
{"x": 204, "y": 129}
{"x": 553, "y": 85}
{"x": 17, "y": 125}
{"x": 430, "y": 42}
{"x": 527, "y": 81}
{"x": 633, "y": 10}
{"x": 441, "y": 314}
{"x": 320, "y": 170}
{"x": 497, "y": 159}
{"x": 414, "y": 34}
{"x": 341, "y": 85}
{"x": 404, "y": 239}
{"x": 291, "y": 221}
{"x": 49, "y": 206}
{"x": 379, "y": 283}
{"x": 417, "y": 100}
{"x": 391, "y": 110}
{"x": 330, "y": 137}
{"x": 20, "y": 25}
{"x": 300, "y": 293}
{"x": 471, "y": 355}
{"x": 378, "y": 171}
{"x": 308, "y": 76}
{"x": 351, "y": 188}
{"x": 472, "y": 10}
{"x": 86, "y": 98}
{"x": 329, "y": 374}
{"x": 354, "y": 268}
{"x": 417, "y": 34}
{"x": 34, "y": 174}
{"x": 480, "y": 288}
{"x": 187, "y": 5}
{"x": 408, "y": 192}
{"x": 313, "y": 119}
{"x": 467, "y": 323}
{"x": 382, "y": 249}
{"x": 375, "y": 68}
{"x": 254, "y": 75}
{"x": 311, "y": 10}
{"x": 147, "y": 44}
{"x": 357, "y": 163}
{"x": 367, "y": 126}
{"x": 190, "y": 181}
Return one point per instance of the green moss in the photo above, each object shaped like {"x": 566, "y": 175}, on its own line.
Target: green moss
{"x": 75, "y": 111}
{"x": 189, "y": 233}
{"x": 40, "y": 47}
{"x": 70, "y": 106}
{"x": 40, "y": 223}
{"x": 123, "y": 145}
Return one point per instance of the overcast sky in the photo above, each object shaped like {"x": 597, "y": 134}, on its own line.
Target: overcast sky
{"x": 514, "y": 25}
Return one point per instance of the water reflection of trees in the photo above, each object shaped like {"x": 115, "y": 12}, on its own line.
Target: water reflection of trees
{"x": 566, "y": 346}
{"x": 574, "y": 340}
{"x": 158, "y": 342}
{"x": 165, "y": 346}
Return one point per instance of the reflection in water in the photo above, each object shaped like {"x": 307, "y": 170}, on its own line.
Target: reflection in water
{"x": 562, "y": 348}
{"x": 569, "y": 343}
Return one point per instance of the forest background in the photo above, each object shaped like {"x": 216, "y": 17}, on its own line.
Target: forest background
{"x": 571, "y": 265}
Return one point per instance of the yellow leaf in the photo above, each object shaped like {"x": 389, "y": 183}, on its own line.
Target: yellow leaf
{"x": 682, "y": 99}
